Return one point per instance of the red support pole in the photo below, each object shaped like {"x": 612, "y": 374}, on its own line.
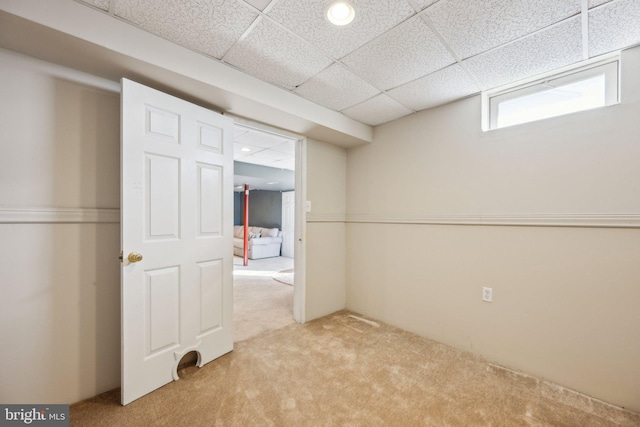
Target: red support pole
{"x": 246, "y": 225}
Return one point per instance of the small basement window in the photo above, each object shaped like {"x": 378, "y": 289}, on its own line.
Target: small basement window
{"x": 577, "y": 89}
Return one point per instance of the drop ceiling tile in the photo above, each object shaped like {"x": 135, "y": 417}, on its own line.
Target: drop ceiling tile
{"x": 261, "y": 139}
{"x": 443, "y": 86}
{"x": 270, "y": 155}
{"x": 594, "y": 3}
{"x": 614, "y": 26}
{"x": 288, "y": 147}
{"x": 471, "y": 27}
{"x": 273, "y": 54}
{"x": 307, "y": 19}
{"x": 258, "y": 4}
{"x": 336, "y": 88}
{"x": 102, "y": 4}
{"x": 408, "y": 51}
{"x": 555, "y": 47}
{"x": 238, "y": 153}
{"x": 210, "y": 27}
{"x": 423, "y": 4}
{"x": 377, "y": 110}
{"x": 239, "y": 130}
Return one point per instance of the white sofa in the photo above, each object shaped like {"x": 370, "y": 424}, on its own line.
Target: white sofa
{"x": 263, "y": 242}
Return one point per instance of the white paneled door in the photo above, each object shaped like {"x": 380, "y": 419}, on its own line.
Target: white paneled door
{"x": 177, "y": 220}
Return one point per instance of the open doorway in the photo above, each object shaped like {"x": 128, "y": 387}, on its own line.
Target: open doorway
{"x": 265, "y": 161}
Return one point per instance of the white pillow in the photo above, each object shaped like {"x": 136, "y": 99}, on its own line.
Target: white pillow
{"x": 270, "y": 232}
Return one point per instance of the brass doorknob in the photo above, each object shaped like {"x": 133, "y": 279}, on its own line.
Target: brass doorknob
{"x": 134, "y": 257}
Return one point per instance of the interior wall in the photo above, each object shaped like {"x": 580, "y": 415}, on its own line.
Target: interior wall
{"x": 238, "y": 207}
{"x": 59, "y": 311}
{"x": 566, "y": 298}
{"x": 325, "y": 229}
{"x": 265, "y": 209}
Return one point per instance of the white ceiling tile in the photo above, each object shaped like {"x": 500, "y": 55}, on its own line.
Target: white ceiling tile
{"x": 614, "y": 26}
{"x": 594, "y": 3}
{"x": 377, "y": 110}
{"x": 336, "y": 88}
{"x": 239, "y": 130}
{"x": 307, "y": 19}
{"x": 238, "y": 153}
{"x": 408, "y": 51}
{"x": 423, "y": 4}
{"x": 102, "y": 4}
{"x": 258, "y": 4}
{"x": 288, "y": 147}
{"x": 270, "y": 155}
{"x": 272, "y": 54}
{"x": 555, "y": 47}
{"x": 471, "y": 27}
{"x": 435, "y": 89}
{"x": 207, "y": 27}
{"x": 263, "y": 156}
{"x": 261, "y": 139}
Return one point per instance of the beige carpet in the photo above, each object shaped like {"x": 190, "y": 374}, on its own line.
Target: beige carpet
{"x": 260, "y": 303}
{"x": 339, "y": 371}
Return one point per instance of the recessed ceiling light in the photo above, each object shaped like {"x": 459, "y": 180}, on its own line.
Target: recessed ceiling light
{"x": 245, "y": 149}
{"x": 273, "y": 183}
{"x": 340, "y": 13}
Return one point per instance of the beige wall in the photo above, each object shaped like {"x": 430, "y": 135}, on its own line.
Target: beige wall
{"x": 59, "y": 311}
{"x": 325, "y": 248}
{"x": 566, "y": 299}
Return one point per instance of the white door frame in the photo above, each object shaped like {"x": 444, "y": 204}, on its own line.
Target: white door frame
{"x": 299, "y": 287}
{"x": 300, "y": 233}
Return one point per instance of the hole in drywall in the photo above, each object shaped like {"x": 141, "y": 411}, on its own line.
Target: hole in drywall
{"x": 188, "y": 365}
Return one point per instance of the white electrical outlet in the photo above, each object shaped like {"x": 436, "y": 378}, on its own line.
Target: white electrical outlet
{"x": 487, "y": 294}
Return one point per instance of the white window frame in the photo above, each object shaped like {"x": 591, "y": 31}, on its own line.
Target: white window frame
{"x": 609, "y": 65}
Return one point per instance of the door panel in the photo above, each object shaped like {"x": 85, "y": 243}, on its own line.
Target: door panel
{"x": 162, "y": 124}
{"x": 163, "y": 310}
{"x": 210, "y": 137}
{"x": 177, "y": 211}
{"x": 209, "y": 192}
{"x": 162, "y": 204}
{"x": 210, "y": 285}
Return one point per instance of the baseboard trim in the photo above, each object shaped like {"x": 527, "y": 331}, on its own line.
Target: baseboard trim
{"x": 539, "y": 220}
{"x": 59, "y": 216}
